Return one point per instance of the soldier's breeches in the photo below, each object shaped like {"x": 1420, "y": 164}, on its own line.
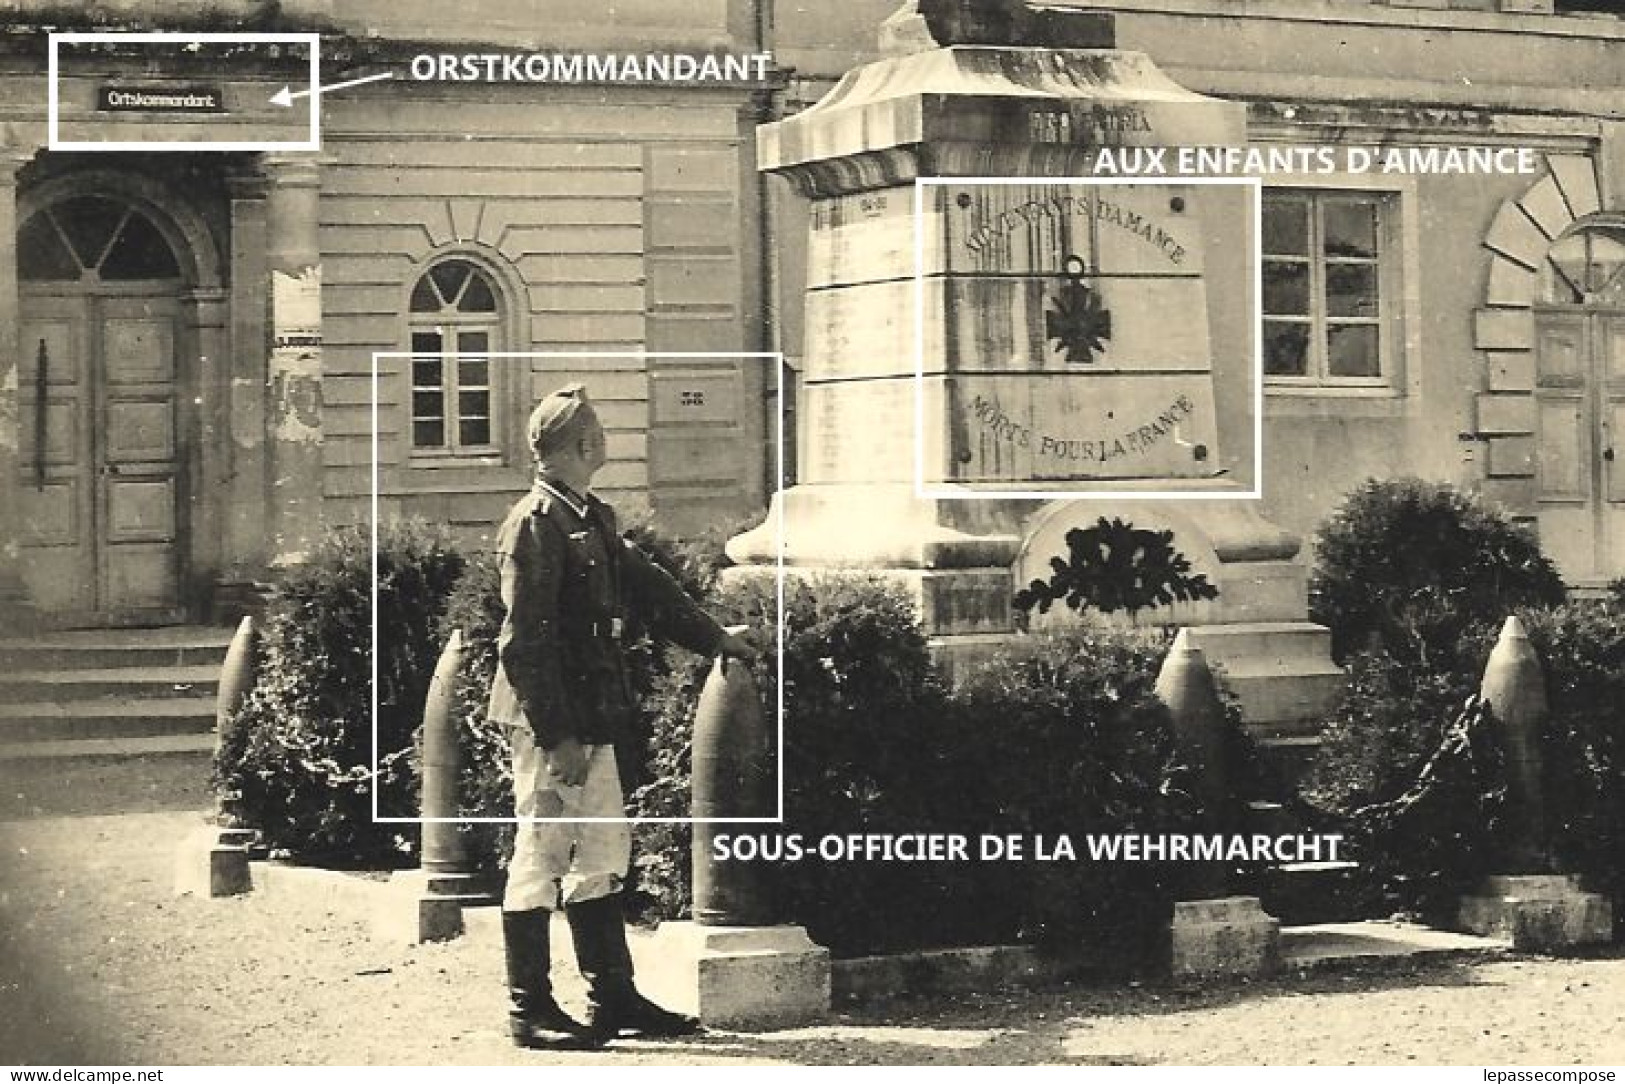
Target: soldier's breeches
{"x": 563, "y": 861}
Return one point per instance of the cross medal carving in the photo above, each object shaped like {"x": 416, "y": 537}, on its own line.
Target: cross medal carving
{"x": 1078, "y": 324}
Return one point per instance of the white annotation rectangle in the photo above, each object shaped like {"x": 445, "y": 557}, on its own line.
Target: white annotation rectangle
{"x": 773, "y": 358}
{"x": 310, "y": 42}
{"x": 1194, "y": 490}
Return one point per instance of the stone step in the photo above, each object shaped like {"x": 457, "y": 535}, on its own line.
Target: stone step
{"x": 979, "y": 969}
{"x": 110, "y": 692}
{"x": 65, "y": 686}
{"x": 1305, "y": 893}
{"x": 1293, "y": 696}
{"x": 1344, "y": 942}
{"x": 1289, "y": 754}
{"x": 198, "y": 746}
{"x": 1538, "y": 912}
{"x": 1281, "y": 671}
{"x": 182, "y": 645}
{"x": 110, "y": 718}
{"x": 1271, "y": 818}
{"x": 1318, "y": 890}
{"x": 1263, "y": 639}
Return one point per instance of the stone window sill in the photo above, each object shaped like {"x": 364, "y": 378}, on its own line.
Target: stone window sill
{"x": 1333, "y": 402}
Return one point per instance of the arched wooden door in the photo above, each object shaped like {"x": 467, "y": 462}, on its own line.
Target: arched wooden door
{"x": 98, "y": 402}
{"x": 1580, "y": 401}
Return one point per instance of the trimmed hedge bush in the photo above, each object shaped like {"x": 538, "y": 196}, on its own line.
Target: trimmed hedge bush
{"x": 1071, "y": 739}
{"x": 1582, "y": 649}
{"x": 1415, "y": 580}
{"x": 299, "y": 757}
{"x": 1417, "y": 783}
{"x": 1057, "y": 734}
{"x": 858, "y": 689}
{"x": 1407, "y": 566}
{"x": 1410, "y": 772}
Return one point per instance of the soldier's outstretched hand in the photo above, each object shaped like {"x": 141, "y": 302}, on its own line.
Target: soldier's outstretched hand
{"x": 738, "y": 643}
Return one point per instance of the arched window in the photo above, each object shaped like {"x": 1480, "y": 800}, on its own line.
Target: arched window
{"x": 1587, "y": 266}
{"x": 456, "y": 323}
{"x": 90, "y": 239}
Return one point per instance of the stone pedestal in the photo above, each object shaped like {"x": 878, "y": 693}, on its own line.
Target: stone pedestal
{"x": 1254, "y": 635}
{"x": 420, "y": 906}
{"x": 1538, "y": 913}
{"x": 1011, "y": 349}
{"x": 1231, "y": 937}
{"x": 1006, "y": 333}
{"x": 213, "y": 862}
{"x": 737, "y": 976}
{"x": 951, "y": 558}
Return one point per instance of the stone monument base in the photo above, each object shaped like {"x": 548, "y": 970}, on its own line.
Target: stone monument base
{"x": 419, "y": 906}
{"x": 738, "y": 976}
{"x": 212, "y": 862}
{"x": 951, "y": 559}
{"x": 1255, "y": 634}
{"x": 1233, "y": 936}
{"x": 1281, "y": 672}
{"x": 1538, "y": 912}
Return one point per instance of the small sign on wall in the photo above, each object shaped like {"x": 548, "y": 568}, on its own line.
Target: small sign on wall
{"x": 697, "y": 398}
{"x": 188, "y": 98}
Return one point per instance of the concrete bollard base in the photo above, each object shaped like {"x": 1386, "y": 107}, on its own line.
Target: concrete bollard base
{"x": 1538, "y": 913}
{"x": 212, "y": 863}
{"x": 746, "y": 977}
{"x": 418, "y": 906}
{"x": 1233, "y": 936}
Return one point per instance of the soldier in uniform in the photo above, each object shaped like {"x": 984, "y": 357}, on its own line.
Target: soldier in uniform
{"x": 568, "y": 580}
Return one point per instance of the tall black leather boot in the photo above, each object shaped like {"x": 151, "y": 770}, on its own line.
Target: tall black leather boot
{"x": 614, "y": 1005}
{"x": 534, "y": 1019}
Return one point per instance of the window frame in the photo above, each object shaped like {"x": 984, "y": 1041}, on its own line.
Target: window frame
{"x": 1586, "y": 232}
{"x": 1390, "y": 322}
{"x": 450, "y": 326}
{"x": 131, "y": 214}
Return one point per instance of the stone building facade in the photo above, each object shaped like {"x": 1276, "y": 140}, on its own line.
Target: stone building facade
{"x": 1474, "y": 331}
{"x": 190, "y": 336}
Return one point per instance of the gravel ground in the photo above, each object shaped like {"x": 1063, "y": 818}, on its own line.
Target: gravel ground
{"x": 101, "y": 964}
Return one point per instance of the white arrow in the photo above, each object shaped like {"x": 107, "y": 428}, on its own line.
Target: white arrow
{"x": 285, "y": 97}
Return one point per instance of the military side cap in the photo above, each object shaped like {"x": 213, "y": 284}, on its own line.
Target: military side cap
{"x": 555, "y": 414}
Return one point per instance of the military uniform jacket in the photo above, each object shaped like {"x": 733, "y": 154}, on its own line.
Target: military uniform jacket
{"x": 568, "y": 581}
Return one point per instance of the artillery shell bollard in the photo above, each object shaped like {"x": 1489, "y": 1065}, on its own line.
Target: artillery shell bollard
{"x": 213, "y": 860}
{"x": 1529, "y": 905}
{"x": 1515, "y": 689}
{"x": 1212, "y": 933}
{"x": 736, "y": 965}
{"x": 732, "y": 777}
{"x": 426, "y": 904}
